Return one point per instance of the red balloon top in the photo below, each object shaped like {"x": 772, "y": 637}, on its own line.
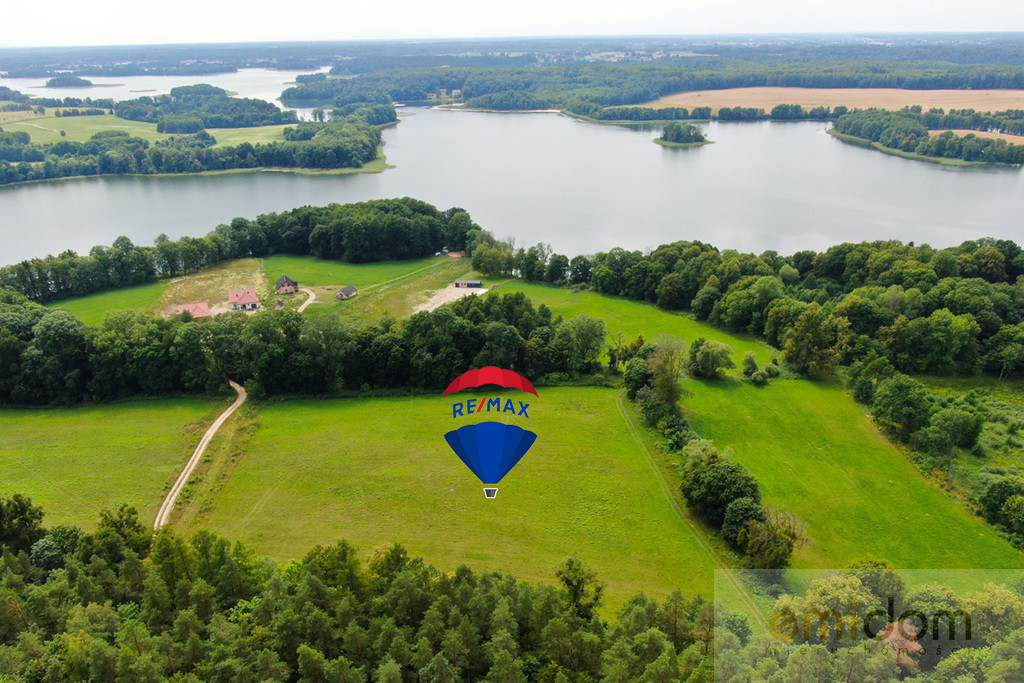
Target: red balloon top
{"x": 490, "y": 375}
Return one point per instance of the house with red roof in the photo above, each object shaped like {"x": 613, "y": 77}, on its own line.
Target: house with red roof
{"x": 198, "y": 310}
{"x": 243, "y": 300}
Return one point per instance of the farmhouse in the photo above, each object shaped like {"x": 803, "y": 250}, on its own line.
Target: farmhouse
{"x": 243, "y": 300}
{"x": 286, "y": 285}
{"x": 469, "y": 283}
{"x": 346, "y": 293}
{"x": 198, "y": 310}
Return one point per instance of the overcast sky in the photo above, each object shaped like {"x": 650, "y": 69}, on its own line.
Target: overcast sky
{"x": 107, "y": 22}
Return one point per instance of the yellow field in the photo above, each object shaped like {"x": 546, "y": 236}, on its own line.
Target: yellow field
{"x": 1015, "y": 139}
{"x": 863, "y": 98}
{"x": 45, "y": 129}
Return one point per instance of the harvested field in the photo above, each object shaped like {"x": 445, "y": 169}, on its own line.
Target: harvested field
{"x": 863, "y": 98}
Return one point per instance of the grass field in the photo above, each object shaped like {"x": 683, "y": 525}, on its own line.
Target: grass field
{"x": 818, "y": 456}
{"x": 213, "y": 285}
{"x": 81, "y": 128}
{"x": 863, "y": 98}
{"x": 91, "y": 309}
{"x": 77, "y": 461}
{"x": 311, "y": 271}
{"x": 815, "y": 452}
{"x": 587, "y": 492}
{"x": 397, "y": 297}
{"x": 632, "y": 318}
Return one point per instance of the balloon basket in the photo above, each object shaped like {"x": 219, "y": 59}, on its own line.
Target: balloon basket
{"x": 490, "y": 493}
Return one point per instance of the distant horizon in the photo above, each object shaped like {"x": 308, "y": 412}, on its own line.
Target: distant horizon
{"x": 113, "y": 23}
{"x": 526, "y": 37}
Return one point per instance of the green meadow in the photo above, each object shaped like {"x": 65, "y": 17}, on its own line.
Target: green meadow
{"x": 47, "y": 129}
{"x": 75, "y": 462}
{"x": 817, "y": 455}
{"x": 815, "y": 452}
{"x": 91, "y": 309}
{"x": 311, "y": 271}
{"x": 376, "y": 471}
{"x": 633, "y": 318}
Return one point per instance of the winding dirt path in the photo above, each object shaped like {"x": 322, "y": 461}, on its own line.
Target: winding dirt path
{"x": 311, "y": 299}
{"x": 163, "y": 515}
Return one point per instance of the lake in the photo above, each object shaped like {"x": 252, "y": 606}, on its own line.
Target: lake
{"x": 580, "y": 187}
{"x": 264, "y": 84}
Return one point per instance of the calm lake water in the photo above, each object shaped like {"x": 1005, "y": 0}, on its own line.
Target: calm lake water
{"x": 580, "y": 187}
{"x": 264, "y": 84}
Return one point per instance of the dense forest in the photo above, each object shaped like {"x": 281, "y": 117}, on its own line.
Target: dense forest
{"x": 365, "y": 231}
{"x": 123, "y": 603}
{"x": 905, "y": 132}
{"x": 349, "y": 141}
{"x": 190, "y": 108}
{"x": 68, "y": 81}
{"x": 614, "y": 84}
{"x": 356, "y": 57}
{"x": 955, "y": 310}
{"x": 47, "y": 356}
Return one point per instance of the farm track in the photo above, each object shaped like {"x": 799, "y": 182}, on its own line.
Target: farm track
{"x": 307, "y": 302}
{"x": 728, "y": 571}
{"x": 163, "y": 515}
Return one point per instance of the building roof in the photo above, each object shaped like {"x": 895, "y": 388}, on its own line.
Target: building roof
{"x": 469, "y": 282}
{"x": 349, "y": 290}
{"x": 243, "y": 296}
{"x": 285, "y": 280}
{"x": 199, "y": 309}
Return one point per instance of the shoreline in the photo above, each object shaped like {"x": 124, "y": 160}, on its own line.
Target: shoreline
{"x": 870, "y": 144}
{"x": 378, "y": 165}
{"x": 681, "y": 145}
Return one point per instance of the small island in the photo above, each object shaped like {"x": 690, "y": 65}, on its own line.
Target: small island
{"x": 678, "y": 134}
{"x": 68, "y": 81}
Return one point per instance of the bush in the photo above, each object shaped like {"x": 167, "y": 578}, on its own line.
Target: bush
{"x": 709, "y": 358}
{"x": 711, "y": 482}
{"x": 737, "y": 514}
{"x": 759, "y": 378}
{"x": 749, "y": 364}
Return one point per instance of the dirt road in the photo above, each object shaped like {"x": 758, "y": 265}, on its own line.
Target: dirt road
{"x": 311, "y": 299}
{"x": 163, "y": 515}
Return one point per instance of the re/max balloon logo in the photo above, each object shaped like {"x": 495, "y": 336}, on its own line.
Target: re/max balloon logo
{"x": 490, "y": 449}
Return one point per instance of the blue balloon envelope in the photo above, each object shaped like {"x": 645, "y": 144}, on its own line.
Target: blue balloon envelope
{"x": 490, "y": 449}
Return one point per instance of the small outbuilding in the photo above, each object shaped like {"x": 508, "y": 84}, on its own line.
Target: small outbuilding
{"x": 279, "y": 305}
{"x": 286, "y": 285}
{"x": 469, "y": 283}
{"x": 243, "y": 300}
{"x": 346, "y": 293}
{"x": 198, "y": 310}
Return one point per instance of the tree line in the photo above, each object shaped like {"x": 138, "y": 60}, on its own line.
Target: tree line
{"x": 123, "y": 603}
{"x": 48, "y": 356}
{"x": 359, "y": 232}
{"x": 940, "y": 311}
{"x": 348, "y": 142}
{"x": 616, "y": 85}
{"x": 192, "y": 107}
{"x": 719, "y": 490}
{"x": 907, "y": 133}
